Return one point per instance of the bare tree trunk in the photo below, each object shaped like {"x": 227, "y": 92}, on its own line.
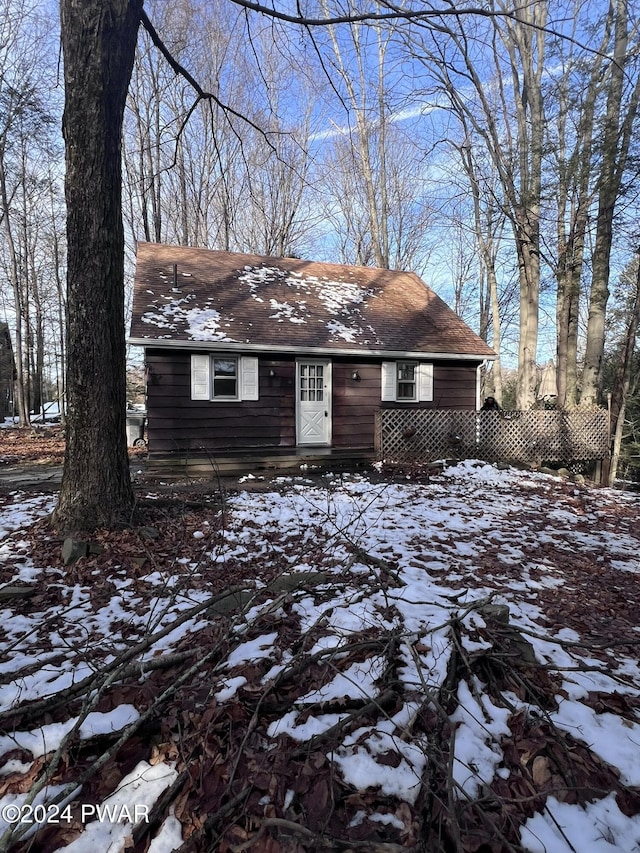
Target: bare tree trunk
{"x": 374, "y": 184}
{"x": 574, "y": 197}
{"x": 21, "y": 393}
{"x": 38, "y": 343}
{"x": 496, "y": 370}
{"x": 567, "y": 315}
{"x": 487, "y": 233}
{"x": 385, "y": 249}
{"x": 60, "y": 310}
{"x": 620, "y": 390}
{"x": 33, "y": 301}
{"x": 615, "y": 149}
{"x": 98, "y": 40}
{"x": 526, "y": 48}
{"x": 529, "y": 272}
{"x": 517, "y": 157}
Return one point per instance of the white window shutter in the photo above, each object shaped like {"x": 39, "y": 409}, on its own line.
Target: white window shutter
{"x": 200, "y": 377}
{"x": 389, "y": 375}
{"x": 249, "y": 385}
{"x": 425, "y": 383}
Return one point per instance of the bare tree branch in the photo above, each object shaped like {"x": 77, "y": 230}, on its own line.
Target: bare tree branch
{"x": 200, "y": 92}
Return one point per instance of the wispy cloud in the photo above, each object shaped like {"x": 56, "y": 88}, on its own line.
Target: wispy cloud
{"x": 335, "y": 130}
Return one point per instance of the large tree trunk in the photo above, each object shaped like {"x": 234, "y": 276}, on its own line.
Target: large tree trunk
{"x": 488, "y": 223}
{"x": 526, "y": 46}
{"x": 529, "y": 273}
{"x": 98, "y": 41}
{"x": 616, "y": 139}
{"x": 575, "y": 164}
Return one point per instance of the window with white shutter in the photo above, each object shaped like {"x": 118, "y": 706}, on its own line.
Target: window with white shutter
{"x": 406, "y": 382}
{"x": 224, "y": 378}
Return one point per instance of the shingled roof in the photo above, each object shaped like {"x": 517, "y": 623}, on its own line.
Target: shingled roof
{"x": 213, "y": 300}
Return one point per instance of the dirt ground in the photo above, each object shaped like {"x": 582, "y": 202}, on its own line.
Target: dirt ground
{"x": 39, "y": 445}
{"x": 232, "y": 793}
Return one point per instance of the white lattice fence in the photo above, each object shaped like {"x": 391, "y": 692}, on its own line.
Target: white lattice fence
{"x": 527, "y": 437}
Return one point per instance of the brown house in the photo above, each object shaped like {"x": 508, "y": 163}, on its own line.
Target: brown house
{"x": 281, "y": 355}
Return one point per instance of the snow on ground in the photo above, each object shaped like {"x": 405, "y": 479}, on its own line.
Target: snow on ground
{"x": 409, "y": 559}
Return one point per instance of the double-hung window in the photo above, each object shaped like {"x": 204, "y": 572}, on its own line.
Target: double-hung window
{"x": 407, "y": 381}
{"x": 224, "y": 377}
{"x": 224, "y": 372}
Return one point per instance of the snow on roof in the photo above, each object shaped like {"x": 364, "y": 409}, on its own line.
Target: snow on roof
{"x": 211, "y": 298}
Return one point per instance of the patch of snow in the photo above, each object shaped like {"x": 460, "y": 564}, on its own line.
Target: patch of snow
{"x": 253, "y": 650}
{"x": 135, "y": 795}
{"x": 598, "y": 827}
{"x": 169, "y": 836}
{"x": 479, "y": 727}
{"x": 49, "y": 737}
{"x": 402, "y": 777}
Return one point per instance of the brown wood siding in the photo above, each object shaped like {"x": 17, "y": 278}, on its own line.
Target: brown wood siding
{"x": 355, "y": 403}
{"x": 175, "y": 422}
{"x": 454, "y": 386}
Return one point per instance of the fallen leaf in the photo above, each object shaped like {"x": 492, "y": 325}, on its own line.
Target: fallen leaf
{"x": 540, "y": 771}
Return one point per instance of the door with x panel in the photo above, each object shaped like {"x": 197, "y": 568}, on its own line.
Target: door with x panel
{"x": 313, "y": 408}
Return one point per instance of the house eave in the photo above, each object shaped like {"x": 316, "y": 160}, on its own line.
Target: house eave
{"x": 234, "y": 346}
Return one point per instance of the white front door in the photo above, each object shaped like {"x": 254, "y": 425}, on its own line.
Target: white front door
{"x": 313, "y": 407}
